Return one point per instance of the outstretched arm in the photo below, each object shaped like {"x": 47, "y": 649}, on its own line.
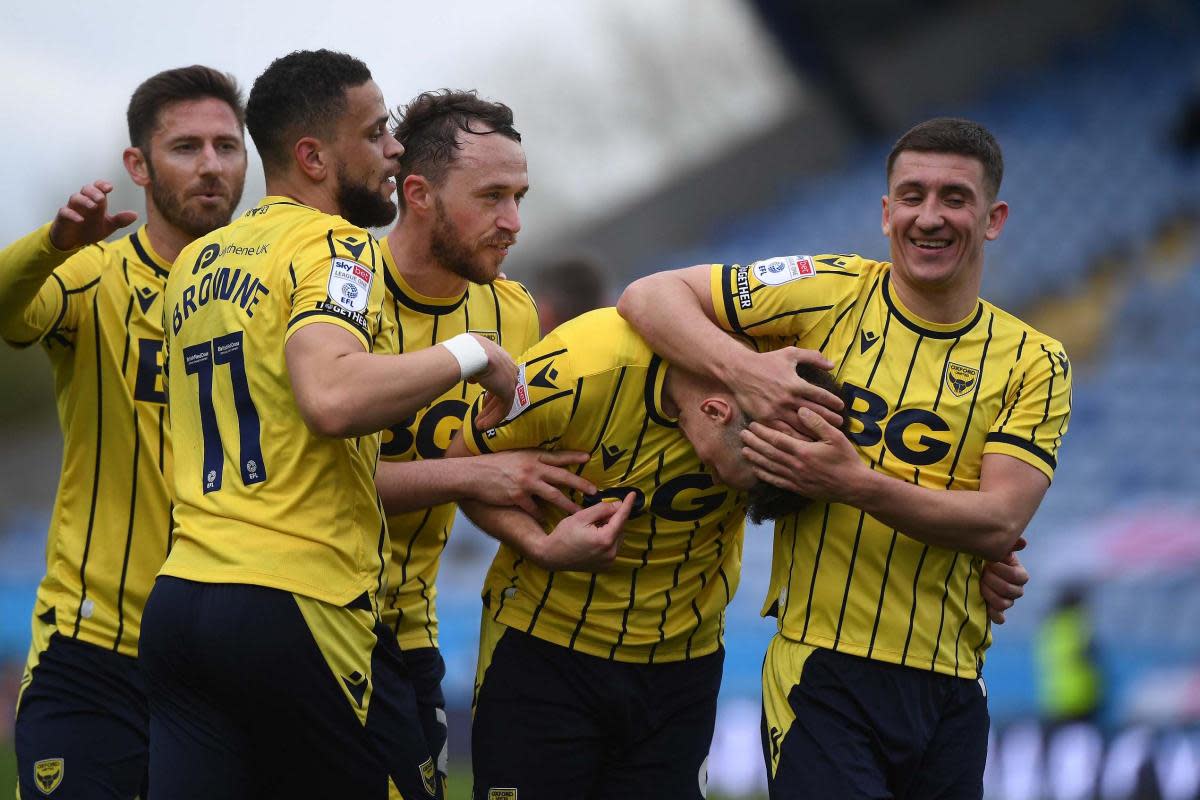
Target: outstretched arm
{"x": 514, "y": 478}
{"x": 673, "y": 312}
{"x": 987, "y": 522}
{"x": 341, "y": 390}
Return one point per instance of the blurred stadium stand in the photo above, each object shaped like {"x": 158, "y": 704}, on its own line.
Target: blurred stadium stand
{"x": 1102, "y": 249}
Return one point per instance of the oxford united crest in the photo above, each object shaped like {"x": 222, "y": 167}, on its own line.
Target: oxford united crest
{"x": 960, "y": 379}
{"x": 48, "y": 774}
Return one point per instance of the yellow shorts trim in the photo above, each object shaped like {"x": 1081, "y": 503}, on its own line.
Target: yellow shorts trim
{"x": 782, "y": 670}
{"x": 346, "y": 638}
{"x": 490, "y": 632}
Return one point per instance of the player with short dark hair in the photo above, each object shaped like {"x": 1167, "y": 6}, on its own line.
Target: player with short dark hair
{"x": 595, "y": 680}
{"x": 463, "y": 176}
{"x": 872, "y": 686}
{"x": 268, "y": 671}
{"x": 82, "y": 725}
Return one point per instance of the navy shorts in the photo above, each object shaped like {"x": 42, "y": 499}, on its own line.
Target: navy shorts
{"x": 837, "y": 725}
{"x": 555, "y": 724}
{"x": 82, "y": 727}
{"x": 426, "y": 669}
{"x": 256, "y": 692}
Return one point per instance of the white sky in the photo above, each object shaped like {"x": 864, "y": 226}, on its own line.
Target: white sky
{"x": 612, "y": 96}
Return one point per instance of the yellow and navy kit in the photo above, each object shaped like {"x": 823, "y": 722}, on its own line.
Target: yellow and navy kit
{"x": 928, "y": 401}
{"x": 594, "y": 385}
{"x": 504, "y": 312}
{"x": 99, "y": 318}
{"x": 259, "y": 498}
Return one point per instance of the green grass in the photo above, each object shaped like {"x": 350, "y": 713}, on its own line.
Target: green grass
{"x": 8, "y": 770}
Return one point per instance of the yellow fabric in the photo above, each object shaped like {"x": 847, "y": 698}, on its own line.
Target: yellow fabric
{"x": 42, "y": 631}
{"x": 98, "y": 314}
{"x": 490, "y": 632}
{"x": 346, "y": 638}
{"x": 594, "y": 385}
{"x": 782, "y": 669}
{"x": 929, "y": 401}
{"x": 260, "y": 499}
{"x": 503, "y": 312}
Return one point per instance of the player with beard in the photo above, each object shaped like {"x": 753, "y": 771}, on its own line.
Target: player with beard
{"x": 82, "y": 723}
{"x": 462, "y": 178}
{"x": 268, "y": 671}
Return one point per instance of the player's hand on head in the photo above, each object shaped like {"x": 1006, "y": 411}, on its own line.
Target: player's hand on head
{"x": 587, "y": 540}
{"x": 524, "y": 477}
{"x": 766, "y": 386}
{"x": 85, "y": 219}
{"x": 1002, "y": 583}
{"x": 499, "y": 379}
{"x": 817, "y": 461}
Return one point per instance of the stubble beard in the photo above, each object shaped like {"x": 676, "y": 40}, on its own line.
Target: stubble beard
{"x": 195, "y": 222}
{"x": 449, "y": 250}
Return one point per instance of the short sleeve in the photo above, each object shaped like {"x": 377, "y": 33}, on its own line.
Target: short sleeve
{"x": 782, "y": 296}
{"x": 542, "y": 408}
{"x": 1034, "y": 419}
{"x": 337, "y": 277}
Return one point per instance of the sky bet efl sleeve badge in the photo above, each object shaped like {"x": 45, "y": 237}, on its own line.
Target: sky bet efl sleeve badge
{"x": 349, "y": 284}
{"x": 785, "y": 269}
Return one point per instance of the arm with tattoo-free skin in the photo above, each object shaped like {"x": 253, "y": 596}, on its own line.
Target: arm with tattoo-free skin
{"x": 514, "y": 478}
{"x": 342, "y": 390}
{"x": 986, "y": 522}
{"x": 673, "y": 312}
{"x": 587, "y": 540}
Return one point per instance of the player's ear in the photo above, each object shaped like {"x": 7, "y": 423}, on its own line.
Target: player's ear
{"x": 997, "y": 215}
{"x": 418, "y": 193}
{"x": 717, "y": 409}
{"x": 887, "y": 218}
{"x": 311, "y": 158}
{"x": 137, "y": 165}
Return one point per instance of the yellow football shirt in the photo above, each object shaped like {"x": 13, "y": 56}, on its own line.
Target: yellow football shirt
{"x": 99, "y": 317}
{"x": 594, "y": 385}
{"x": 929, "y": 401}
{"x": 259, "y": 498}
{"x": 504, "y": 312}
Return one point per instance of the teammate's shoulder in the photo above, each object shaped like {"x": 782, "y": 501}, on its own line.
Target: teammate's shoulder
{"x": 601, "y": 341}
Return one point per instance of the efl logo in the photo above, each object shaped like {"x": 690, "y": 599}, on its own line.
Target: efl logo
{"x": 777, "y": 271}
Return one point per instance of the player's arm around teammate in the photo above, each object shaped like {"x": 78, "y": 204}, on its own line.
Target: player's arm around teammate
{"x": 674, "y": 311}
{"x": 344, "y": 391}
{"x": 986, "y": 523}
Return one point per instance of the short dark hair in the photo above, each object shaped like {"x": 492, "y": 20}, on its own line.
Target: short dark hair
{"x": 771, "y": 502}
{"x": 428, "y": 127}
{"x": 300, "y": 94}
{"x": 196, "y": 82}
{"x": 958, "y": 136}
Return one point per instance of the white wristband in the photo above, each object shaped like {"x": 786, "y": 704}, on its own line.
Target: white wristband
{"x": 469, "y": 353}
